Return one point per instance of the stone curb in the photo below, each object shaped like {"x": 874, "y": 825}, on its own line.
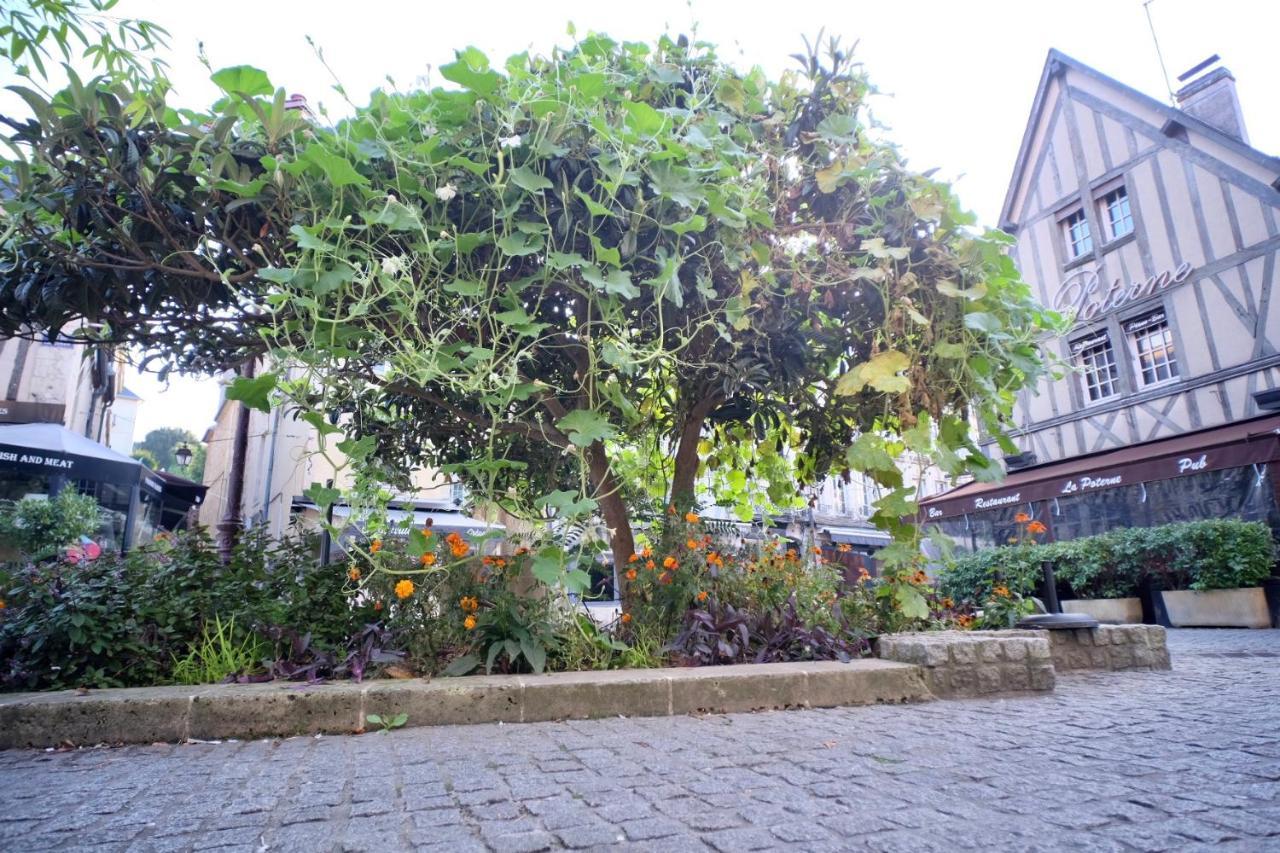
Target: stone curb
{"x": 213, "y": 712}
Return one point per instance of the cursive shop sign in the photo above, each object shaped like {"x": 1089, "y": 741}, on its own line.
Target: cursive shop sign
{"x": 1084, "y": 295}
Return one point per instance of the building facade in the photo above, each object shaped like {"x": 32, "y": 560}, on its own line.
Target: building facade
{"x": 1156, "y": 230}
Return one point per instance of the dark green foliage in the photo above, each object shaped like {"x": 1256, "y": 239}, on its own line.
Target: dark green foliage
{"x": 121, "y": 621}
{"x": 1211, "y": 554}
{"x": 37, "y": 528}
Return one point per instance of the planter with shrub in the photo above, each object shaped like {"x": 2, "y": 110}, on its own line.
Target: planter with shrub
{"x": 1102, "y": 575}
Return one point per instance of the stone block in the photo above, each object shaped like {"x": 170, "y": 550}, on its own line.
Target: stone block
{"x": 1084, "y": 636}
{"x": 1042, "y": 678}
{"x": 964, "y": 682}
{"x": 270, "y": 710}
{"x": 751, "y": 687}
{"x": 138, "y": 715}
{"x": 1017, "y": 678}
{"x": 1122, "y": 656}
{"x": 1015, "y": 649}
{"x": 964, "y": 653}
{"x": 448, "y": 701}
{"x": 989, "y": 651}
{"x": 989, "y": 680}
{"x": 1099, "y": 658}
{"x": 591, "y": 695}
{"x": 935, "y": 654}
{"x": 863, "y": 682}
{"x": 1143, "y": 657}
{"x": 1038, "y": 648}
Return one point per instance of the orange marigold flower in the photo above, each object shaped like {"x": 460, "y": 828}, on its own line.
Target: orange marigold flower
{"x": 375, "y": 546}
{"x": 666, "y": 577}
{"x": 626, "y": 617}
{"x": 377, "y": 605}
{"x": 633, "y": 558}
{"x": 469, "y": 604}
{"x": 647, "y": 552}
{"x": 818, "y": 551}
{"x": 1001, "y": 591}
{"x": 691, "y": 544}
{"x": 469, "y": 623}
{"x": 404, "y": 589}
{"x": 3, "y": 604}
{"x": 354, "y": 573}
{"x": 521, "y": 551}
{"x": 428, "y": 559}
{"x": 691, "y": 517}
{"x": 631, "y": 574}
{"x": 1036, "y": 527}
{"x": 669, "y": 563}
{"x": 650, "y": 564}
{"x": 1022, "y": 518}
{"x": 702, "y": 595}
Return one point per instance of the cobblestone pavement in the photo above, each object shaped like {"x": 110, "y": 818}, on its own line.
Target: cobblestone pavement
{"x": 1118, "y": 761}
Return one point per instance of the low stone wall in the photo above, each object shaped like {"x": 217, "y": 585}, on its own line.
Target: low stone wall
{"x": 281, "y": 709}
{"x": 975, "y": 663}
{"x": 1110, "y": 647}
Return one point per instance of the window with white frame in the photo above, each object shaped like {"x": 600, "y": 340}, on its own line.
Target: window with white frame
{"x": 1079, "y": 240}
{"x": 1116, "y": 213}
{"x": 1153, "y": 353}
{"x": 1099, "y": 376}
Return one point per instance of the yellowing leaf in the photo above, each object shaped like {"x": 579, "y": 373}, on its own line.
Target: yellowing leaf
{"x": 881, "y": 373}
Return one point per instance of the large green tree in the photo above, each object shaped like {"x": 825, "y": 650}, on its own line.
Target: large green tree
{"x": 162, "y": 445}
{"x": 563, "y": 278}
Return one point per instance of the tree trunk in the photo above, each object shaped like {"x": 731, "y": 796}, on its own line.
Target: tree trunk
{"x": 684, "y": 478}
{"x": 608, "y": 494}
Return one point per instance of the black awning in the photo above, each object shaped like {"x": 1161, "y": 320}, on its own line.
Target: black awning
{"x": 1230, "y": 446}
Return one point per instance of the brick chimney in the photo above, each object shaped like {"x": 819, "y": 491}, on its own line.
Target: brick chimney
{"x": 1211, "y": 97}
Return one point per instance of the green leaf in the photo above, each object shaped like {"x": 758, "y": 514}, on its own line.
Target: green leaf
{"x": 838, "y": 128}
{"x": 912, "y": 604}
{"x": 567, "y": 504}
{"x": 322, "y": 496}
{"x": 529, "y": 180}
{"x": 534, "y": 653}
{"x": 464, "y": 288}
{"x": 254, "y": 393}
{"x": 584, "y": 426}
{"x": 643, "y": 118}
{"x": 982, "y": 322}
{"x": 471, "y": 71}
{"x": 376, "y": 719}
{"x": 868, "y": 453}
{"x": 461, "y": 666}
{"x": 697, "y": 222}
{"x": 876, "y": 248}
{"x": 358, "y": 448}
{"x": 593, "y": 206}
{"x": 518, "y": 243}
{"x": 617, "y": 282}
{"x": 548, "y": 564}
{"x": 399, "y": 720}
{"x": 336, "y": 168}
{"x": 307, "y": 240}
{"x": 395, "y": 215}
{"x": 946, "y": 349}
{"x": 243, "y": 80}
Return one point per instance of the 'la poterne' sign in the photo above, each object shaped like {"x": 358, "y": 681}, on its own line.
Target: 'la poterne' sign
{"x": 1082, "y": 293}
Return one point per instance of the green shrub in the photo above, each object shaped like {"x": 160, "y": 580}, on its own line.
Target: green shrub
{"x": 1210, "y": 554}
{"x": 125, "y": 621}
{"x": 38, "y": 527}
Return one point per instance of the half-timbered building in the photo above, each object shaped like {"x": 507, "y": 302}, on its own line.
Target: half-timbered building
{"x": 1156, "y": 229}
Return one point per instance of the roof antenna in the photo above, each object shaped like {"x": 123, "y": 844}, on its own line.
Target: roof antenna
{"x": 1146, "y": 7}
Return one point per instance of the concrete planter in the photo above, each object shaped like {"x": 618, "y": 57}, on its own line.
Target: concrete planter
{"x": 1108, "y": 611}
{"x": 1218, "y": 608}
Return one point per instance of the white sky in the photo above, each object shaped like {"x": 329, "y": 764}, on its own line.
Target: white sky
{"x": 957, "y": 77}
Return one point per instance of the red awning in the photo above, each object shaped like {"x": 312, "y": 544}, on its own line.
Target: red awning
{"x": 1230, "y": 446}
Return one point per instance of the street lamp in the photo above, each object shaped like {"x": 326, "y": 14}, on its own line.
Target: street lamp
{"x": 183, "y": 455}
